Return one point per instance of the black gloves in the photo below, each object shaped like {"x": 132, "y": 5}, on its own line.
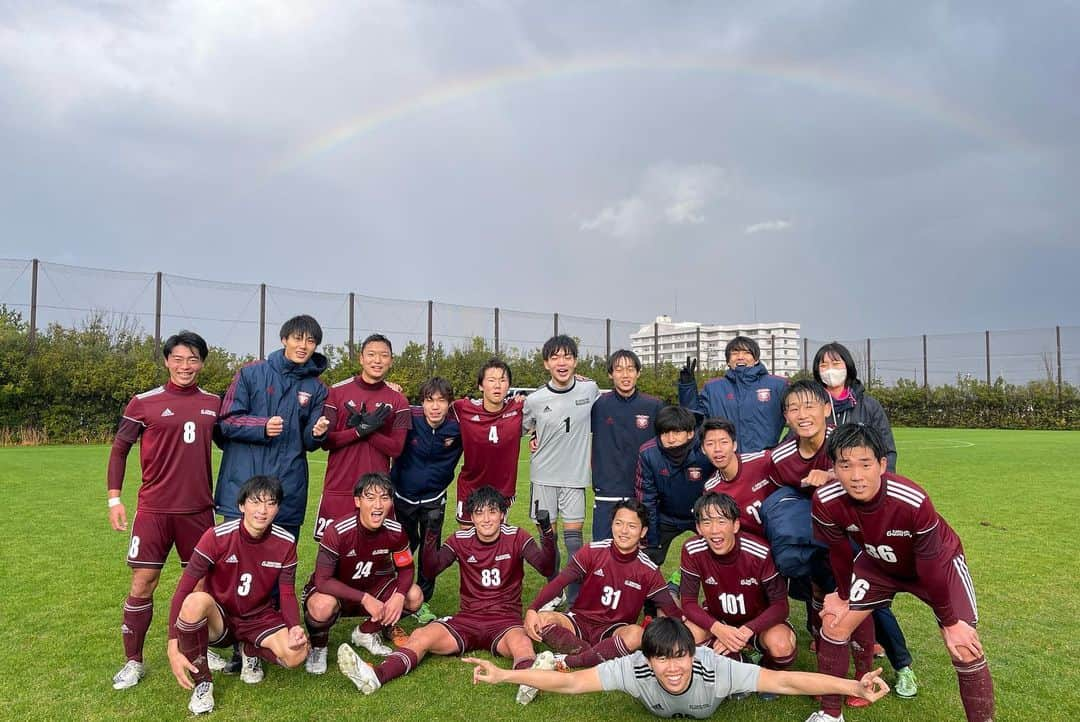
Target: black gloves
{"x": 433, "y": 518}
{"x": 367, "y": 423}
{"x": 686, "y": 373}
{"x": 543, "y": 518}
{"x": 656, "y": 554}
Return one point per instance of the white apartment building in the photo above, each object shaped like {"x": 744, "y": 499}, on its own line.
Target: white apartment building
{"x": 781, "y": 348}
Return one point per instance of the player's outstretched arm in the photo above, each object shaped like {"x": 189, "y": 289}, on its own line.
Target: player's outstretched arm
{"x": 870, "y": 687}
{"x": 579, "y": 682}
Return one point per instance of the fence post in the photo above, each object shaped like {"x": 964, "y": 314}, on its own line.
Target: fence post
{"x": 33, "y": 300}
{"x": 430, "y": 334}
{"x": 157, "y": 315}
{"x": 1057, "y": 330}
{"x": 869, "y": 368}
{"x": 697, "y": 344}
{"x": 987, "y": 358}
{"x": 352, "y": 324}
{"x": 925, "y": 378}
{"x": 607, "y": 334}
{"x": 556, "y": 316}
{"x": 262, "y": 321}
{"x": 496, "y": 330}
{"x": 656, "y": 348}
{"x": 805, "y": 354}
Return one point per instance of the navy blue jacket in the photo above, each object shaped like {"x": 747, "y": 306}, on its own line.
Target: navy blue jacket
{"x": 669, "y": 491}
{"x": 274, "y": 387}
{"x": 426, "y": 466}
{"x": 619, "y": 427}
{"x": 749, "y": 397}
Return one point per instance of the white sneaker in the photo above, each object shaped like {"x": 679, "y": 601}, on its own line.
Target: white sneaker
{"x": 215, "y": 661}
{"x": 554, "y": 604}
{"x": 820, "y": 716}
{"x": 316, "y": 661}
{"x": 202, "y": 698}
{"x": 544, "y": 660}
{"x": 129, "y": 675}
{"x": 251, "y": 671}
{"x": 371, "y": 642}
{"x": 357, "y": 670}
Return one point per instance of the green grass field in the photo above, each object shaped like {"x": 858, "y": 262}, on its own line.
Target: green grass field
{"x": 64, "y": 580}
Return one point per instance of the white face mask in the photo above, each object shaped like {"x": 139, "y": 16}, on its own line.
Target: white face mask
{"x": 833, "y": 377}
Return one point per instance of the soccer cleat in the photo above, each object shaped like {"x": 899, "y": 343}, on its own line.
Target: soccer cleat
{"x": 560, "y": 663}
{"x": 234, "y": 663}
{"x": 396, "y": 635}
{"x": 879, "y": 651}
{"x": 768, "y": 696}
{"x": 674, "y": 582}
{"x": 357, "y": 670}
{"x": 554, "y": 604}
{"x": 370, "y": 642}
{"x": 907, "y": 684}
{"x": 251, "y": 671}
{"x": 821, "y": 716}
{"x": 544, "y": 660}
{"x": 424, "y": 615}
{"x": 739, "y": 695}
{"x": 129, "y": 675}
{"x": 316, "y": 661}
{"x": 202, "y": 698}
{"x": 215, "y": 662}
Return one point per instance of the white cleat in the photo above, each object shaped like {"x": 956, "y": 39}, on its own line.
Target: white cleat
{"x": 554, "y": 604}
{"x": 215, "y": 661}
{"x": 357, "y": 670}
{"x": 129, "y": 675}
{"x": 821, "y": 716}
{"x": 544, "y": 660}
{"x": 316, "y": 661}
{"x": 371, "y": 642}
{"x": 202, "y": 698}
{"x": 251, "y": 670}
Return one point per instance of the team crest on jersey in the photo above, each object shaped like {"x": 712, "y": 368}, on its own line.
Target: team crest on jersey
{"x": 448, "y": 442}
{"x": 764, "y": 395}
{"x": 303, "y": 397}
{"x": 641, "y": 421}
{"x": 694, "y": 472}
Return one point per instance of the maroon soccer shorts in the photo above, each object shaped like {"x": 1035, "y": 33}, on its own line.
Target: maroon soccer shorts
{"x": 253, "y": 628}
{"x": 154, "y": 534}
{"x": 871, "y": 588}
{"x": 478, "y": 631}
{"x": 592, "y": 632}
{"x": 382, "y": 590}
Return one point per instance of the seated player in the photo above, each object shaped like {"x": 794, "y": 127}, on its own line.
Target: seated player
{"x": 745, "y": 603}
{"x": 743, "y": 477}
{"x": 904, "y": 546}
{"x": 364, "y": 569}
{"x": 672, "y": 677}
{"x": 616, "y": 578}
{"x": 491, "y": 558}
{"x": 241, "y": 563}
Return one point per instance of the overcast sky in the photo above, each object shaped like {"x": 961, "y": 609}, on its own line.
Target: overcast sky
{"x": 861, "y": 168}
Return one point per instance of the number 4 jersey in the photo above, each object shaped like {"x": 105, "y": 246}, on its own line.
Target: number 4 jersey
{"x": 491, "y": 441}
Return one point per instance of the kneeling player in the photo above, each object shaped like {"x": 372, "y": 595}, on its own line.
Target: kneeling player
{"x": 673, "y": 678}
{"x": 242, "y": 562}
{"x": 745, "y": 597}
{"x": 616, "y": 578}
{"x": 491, "y": 557}
{"x": 364, "y": 568}
{"x": 905, "y": 546}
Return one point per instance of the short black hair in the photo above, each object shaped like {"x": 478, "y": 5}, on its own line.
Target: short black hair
{"x": 633, "y": 505}
{"x": 484, "y": 497}
{"x": 302, "y": 325}
{"x": 186, "y": 338}
{"x": 674, "y": 418}
{"x": 840, "y": 351}
{"x": 727, "y": 506}
{"x": 667, "y": 637}
{"x": 376, "y": 338}
{"x": 495, "y": 363}
{"x": 717, "y": 424}
{"x": 742, "y": 343}
{"x": 436, "y": 385}
{"x": 259, "y": 486}
{"x": 373, "y": 480}
{"x": 852, "y": 436}
{"x": 620, "y": 355}
{"x": 555, "y": 344}
{"x": 804, "y": 387}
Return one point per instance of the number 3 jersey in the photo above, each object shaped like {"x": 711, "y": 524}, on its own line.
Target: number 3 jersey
{"x": 176, "y": 427}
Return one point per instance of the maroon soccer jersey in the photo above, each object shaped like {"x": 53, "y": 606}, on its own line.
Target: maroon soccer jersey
{"x": 491, "y": 441}
{"x": 491, "y": 572}
{"x": 176, "y": 427}
{"x": 741, "y": 587}
{"x": 787, "y": 467}
{"x": 364, "y": 560}
{"x": 749, "y": 487}
{"x": 614, "y": 585}
{"x": 350, "y": 456}
{"x": 899, "y": 529}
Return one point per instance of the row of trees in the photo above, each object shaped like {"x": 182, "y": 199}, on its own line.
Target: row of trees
{"x": 70, "y": 385}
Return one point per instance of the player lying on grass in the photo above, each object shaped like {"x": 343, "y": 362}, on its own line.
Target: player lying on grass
{"x": 491, "y": 558}
{"x": 616, "y": 577}
{"x": 904, "y": 546}
{"x": 364, "y": 569}
{"x": 672, "y": 677}
{"x": 241, "y": 563}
